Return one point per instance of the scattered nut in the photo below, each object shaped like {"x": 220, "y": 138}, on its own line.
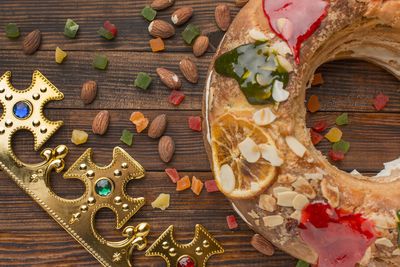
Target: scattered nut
{"x": 88, "y": 92}
{"x": 101, "y": 122}
{"x": 182, "y": 15}
{"x": 169, "y": 78}
{"x": 166, "y": 148}
{"x": 200, "y": 45}
{"x": 161, "y": 4}
{"x": 223, "y": 16}
{"x": 262, "y": 245}
{"x": 32, "y": 42}
{"x": 189, "y": 70}
{"x": 161, "y": 28}
{"x": 157, "y": 126}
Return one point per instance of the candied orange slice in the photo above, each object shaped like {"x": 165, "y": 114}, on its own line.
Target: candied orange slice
{"x": 235, "y": 176}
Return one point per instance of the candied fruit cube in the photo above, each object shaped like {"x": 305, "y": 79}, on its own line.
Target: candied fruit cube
{"x": 183, "y": 183}
{"x": 341, "y": 146}
{"x": 157, "y": 45}
{"x": 172, "y": 174}
{"x": 334, "y": 135}
{"x": 127, "y": 137}
{"x": 320, "y": 126}
{"x": 142, "y": 124}
{"x": 100, "y": 62}
{"x": 148, "y": 13}
{"x": 161, "y": 202}
{"x": 316, "y": 138}
{"x": 197, "y": 185}
{"x": 71, "y": 28}
{"x": 301, "y": 263}
{"x": 176, "y": 97}
{"x": 12, "y": 31}
{"x": 195, "y": 123}
{"x": 336, "y": 155}
{"x": 191, "y": 33}
{"x": 380, "y": 101}
{"x": 143, "y": 80}
{"x": 343, "y": 119}
{"x": 211, "y": 186}
{"x": 317, "y": 80}
{"x": 110, "y": 27}
{"x": 136, "y": 117}
{"x": 103, "y": 32}
{"x": 313, "y": 104}
{"x": 79, "y": 137}
{"x": 60, "y": 55}
{"x": 231, "y": 221}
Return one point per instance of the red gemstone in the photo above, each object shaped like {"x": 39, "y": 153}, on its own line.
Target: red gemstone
{"x": 176, "y": 97}
{"x": 316, "y": 138}
{"x": 295, "y": 20}
{"x": 186, "y": 261}
{"x": 340, "y": 238}
{"x": 195, "y": 123}
{"x": 110, "y": 27}
{"x": 336, "y": 155}
{"x": 320, "y": 126}
{"x": 172, "y": 174}
{"x": 380, "y": 101}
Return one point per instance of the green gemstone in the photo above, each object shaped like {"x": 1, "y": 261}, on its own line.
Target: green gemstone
{"x": 143, "y": 80}
{"x": 71, "y": 28}
{"x": 12, "y": 30}
{"x": 100, "y": 62}
{"x": 127, "y": 137}
{"x": 105, "y": 33}
{"x": 103, "y": 187}
{"x": 191, "y": 33}
{"x": 149, "y": 13}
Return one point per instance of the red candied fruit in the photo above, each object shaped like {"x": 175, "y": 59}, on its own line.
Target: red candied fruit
{"x": 195, "y": 123}
{"x": 340, "y": 238}
{"x": 172, "y": 174}
{"x": 380, "y": 101}
{"x": 231, "y": 221}
{"x": 110, "y": 27}
{"x": 211, "y": 186}
{"x": 186, "y": 261}
{"x": 320, "y": 126}
{"x": 176, "y": 97}
{"x": 336, "y": 155}
{"x": 316, "y": 138}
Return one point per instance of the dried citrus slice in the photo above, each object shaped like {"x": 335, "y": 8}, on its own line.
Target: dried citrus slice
{"x": 237, "y": 177}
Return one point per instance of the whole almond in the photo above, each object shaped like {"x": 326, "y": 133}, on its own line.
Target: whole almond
{"x": 32, "y": 42}
{"x": 200, "y": 45}
{"x": 101, "y": 122}
{"x": 169, "y": 78}
{"x": 182, "y": 15}
{"x": 262, "y": 245}
{"x": 157, "y": 126}
{"x": 241, "y": 3}
{"x": 88, "y": 92}
{"x": 223, "y": 16}
{"x": 166, "y": 148}
{"x": 189, "y": 70}
{"x": 161, "y": 28}
{"x": 161, "y": 4}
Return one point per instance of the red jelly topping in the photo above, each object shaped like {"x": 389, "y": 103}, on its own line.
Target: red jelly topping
{"x": 339, "y": 238}
{"x": 295, "y": 20}
{"x": 186, "y": 261}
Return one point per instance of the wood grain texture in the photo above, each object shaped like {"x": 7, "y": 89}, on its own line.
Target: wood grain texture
{"x": 28, "y": 237}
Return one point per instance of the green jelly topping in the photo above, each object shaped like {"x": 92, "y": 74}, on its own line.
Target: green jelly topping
{"x": 127, "y": 137}
{"x": 149, "y": 13}
{"x": 255, "y": 67}
{"x": 343, "y": 119}
{"x": 12, "y": 30}
{"x": 191, "y": 33}
{"x": 103, "y": 187}
{"x": 143, "y": 80}
{"x": 71, "y": 28}
{"x": 341, "y": 146}
{"x": 301, "y": 263}
{"x": 100, "y": 62}
{"x": 105, "y": 33}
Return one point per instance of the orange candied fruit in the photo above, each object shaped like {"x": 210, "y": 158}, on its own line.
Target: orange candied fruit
{"x": 313, "y": 104}
{"x": 318, "y": 79}
{"x": 197, "y": 185}
{"x": 157, "y": 45}
{"x": 183, "y": 183}
{"x": 139, "y": 120}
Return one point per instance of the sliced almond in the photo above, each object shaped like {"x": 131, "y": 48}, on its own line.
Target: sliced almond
{"x": 302, "y": 186}
{"x": 383, "y": 241}
{"x": 296, "y": 215}
{"x": 249, "y": 150}
{"x": 285, "y": 199}
{"x": 270, "y": 154}
{"x": 300, "y": 201}
{"x": 253, "y": 214}
{"x": 286, "y": 178}
{"x": 278, "y": 93}
{"x": 273, "y": 221}
{"x": 284, "y": 63}
{"x": 227, "y": 178}
{"x": 267, "y": 202}
{"x": 280, "y": 189}
{"x": 257, "y": 35}
{"x": 396, "y": 252}
{"x": 295, "y": 146}
{"x": 331, "y": 193}
{"x": 264, "y": 116}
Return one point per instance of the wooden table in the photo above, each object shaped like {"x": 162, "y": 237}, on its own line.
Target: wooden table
{"x": 28, "y": 237}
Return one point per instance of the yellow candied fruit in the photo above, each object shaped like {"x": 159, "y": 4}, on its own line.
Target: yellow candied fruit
{"x": 161, "y": 202}
{"x": 334, "y": 135}
{"x": 79, "y": 137}
{"x": 60, "y": 55}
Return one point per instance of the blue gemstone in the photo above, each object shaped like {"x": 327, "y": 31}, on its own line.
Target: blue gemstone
{"x": 22, "y": 110}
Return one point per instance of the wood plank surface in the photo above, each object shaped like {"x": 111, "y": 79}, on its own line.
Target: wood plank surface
{"x": 28, "y": 237}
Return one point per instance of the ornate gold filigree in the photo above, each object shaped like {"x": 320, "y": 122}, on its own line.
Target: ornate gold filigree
{"x": 202, "y": 247}
{"x": 76, "y": 216}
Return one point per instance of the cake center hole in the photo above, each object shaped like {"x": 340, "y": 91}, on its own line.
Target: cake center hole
{"x": 372, "y": 137}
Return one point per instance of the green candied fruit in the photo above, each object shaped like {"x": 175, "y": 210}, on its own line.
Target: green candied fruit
{"x": 256, "y": 68}
{"x": 12, "y": 30}
{"x": 127, "y": 137}
{"x": 343, "y": 119}
{"x": 149, "y": 13}
{"x": 71, "y": 28}
{"x": 143, "y": 80}
{"x": 341, "y": 146}
{"x": 191, "y": 33}
{"x": 103, "y": 32}
{"x": 100, "y": 62}
{"x": 301, "y": 263}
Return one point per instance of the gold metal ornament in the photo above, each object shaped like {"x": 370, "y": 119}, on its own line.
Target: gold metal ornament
{"x": 105, "y": 186}
{"x": 199, "y": 250}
